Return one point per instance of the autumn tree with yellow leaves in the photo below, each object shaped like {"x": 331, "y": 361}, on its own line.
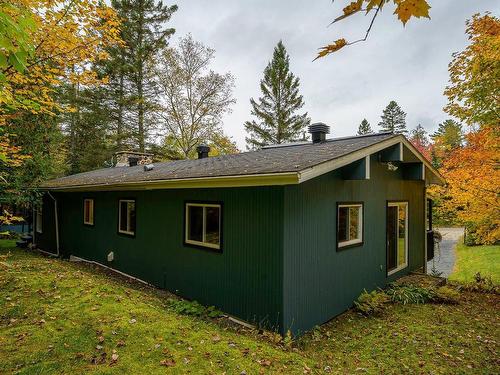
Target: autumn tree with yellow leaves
{"x": 44, "y": 44}
{"x": 471, "y": 171}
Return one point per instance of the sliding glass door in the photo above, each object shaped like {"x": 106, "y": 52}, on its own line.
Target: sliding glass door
{"x": 397, "y": 236}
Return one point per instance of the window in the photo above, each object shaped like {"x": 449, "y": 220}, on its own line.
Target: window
{"x": 126, "y": 216}
{"x": 39, "y": 220}
{"x": 397, "y": 236}
{"x": 203, "y": 225}
{"x": 349, "y": 224}
{"x": 88, "y": 211}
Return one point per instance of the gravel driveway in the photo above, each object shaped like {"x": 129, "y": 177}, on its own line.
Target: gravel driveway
{"x": 444, "y": 256}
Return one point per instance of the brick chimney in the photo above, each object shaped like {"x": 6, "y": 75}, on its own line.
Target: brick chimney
{"x": 132, "y": 158}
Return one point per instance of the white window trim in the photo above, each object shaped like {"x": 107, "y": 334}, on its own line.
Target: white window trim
{"x": 120, "y": 217}
{"x": 92, "y": 211}
{"x": 39, "y": 221}
{"x": 202, "y": 243}
{"x": 360, "y": 225}
{"x": 405, "y": 264}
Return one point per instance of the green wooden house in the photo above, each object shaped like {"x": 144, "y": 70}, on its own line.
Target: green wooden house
{"x": 285, "y": 237}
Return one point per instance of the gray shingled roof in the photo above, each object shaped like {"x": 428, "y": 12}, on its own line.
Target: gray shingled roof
{"x": 274, "y": 159}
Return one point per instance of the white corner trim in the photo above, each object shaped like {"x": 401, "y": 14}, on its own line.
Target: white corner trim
{"x": 423, "y": 171}
{"x": 367, "y": 167}
{"x": 401, "y": 157}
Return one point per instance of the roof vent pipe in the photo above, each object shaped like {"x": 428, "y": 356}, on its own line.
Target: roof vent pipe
{"x": 202, "y": 151}
{"x": 318, "y": 132}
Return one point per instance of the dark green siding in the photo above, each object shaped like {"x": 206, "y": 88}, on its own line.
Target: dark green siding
{"x": 279, "y": 265}
{"x": 244, "y": 280}
{"x": 320, "y": 282}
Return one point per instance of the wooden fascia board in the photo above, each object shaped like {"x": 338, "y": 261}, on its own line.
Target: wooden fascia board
{"x": 288, "y": 178}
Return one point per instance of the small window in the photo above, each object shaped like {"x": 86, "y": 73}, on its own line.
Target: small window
{"x": 39, "y": 220}
{"x": 126, "y": 217}
{"x": 349, "y": 224}
{"x": 203, "y": 225}
{"x": 88, "y": 211}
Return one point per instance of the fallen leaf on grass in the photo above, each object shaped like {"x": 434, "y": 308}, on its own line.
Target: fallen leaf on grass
{"x": 114, "y": 358}
{"x": 97, "y": 360}
{"x": 100, "y": 339}
{"x": 167, "y": 362}
{"x": 216, "y": 338}
{"x": 264, "y": 362}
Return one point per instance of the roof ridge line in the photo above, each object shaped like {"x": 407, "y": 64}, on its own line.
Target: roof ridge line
{"x": 301, "y": 143}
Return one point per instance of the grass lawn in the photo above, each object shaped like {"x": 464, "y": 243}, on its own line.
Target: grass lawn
{"x": 62, "y": 317}
{"x": 473, "y": 259}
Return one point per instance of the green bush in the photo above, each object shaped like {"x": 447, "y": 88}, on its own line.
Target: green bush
{"x": 194, "y": 308}
{"x": 371, "y": 303}
{"x": 445, "y": 294}
{"x": 406, "y": 294}
{"x": 482, "y": 284}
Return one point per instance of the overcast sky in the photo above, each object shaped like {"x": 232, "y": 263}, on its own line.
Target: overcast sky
{"x": 406, "y": 64}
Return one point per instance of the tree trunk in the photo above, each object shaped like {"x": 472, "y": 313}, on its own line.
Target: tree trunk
{"x": 140, "y": 83}
{"x": 119, "y": 125}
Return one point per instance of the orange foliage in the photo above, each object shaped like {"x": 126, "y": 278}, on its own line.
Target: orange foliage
{"x": 473, "y": 179}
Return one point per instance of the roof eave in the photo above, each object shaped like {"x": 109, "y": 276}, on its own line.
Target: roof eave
{"x": 342, "y": 161}
{"x": 268, "y": 179}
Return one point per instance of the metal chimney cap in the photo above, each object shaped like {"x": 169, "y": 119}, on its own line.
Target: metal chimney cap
{"x": 148, "y": 167}
{"x": 318, "y": 132}
{"x": 202, "y": 151}
{"x": 203, "y": 148}
{"x": 319, "y": 127}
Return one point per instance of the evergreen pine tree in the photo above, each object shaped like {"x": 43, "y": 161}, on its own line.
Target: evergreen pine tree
{"x": 448, "y": 137}
{"x": 144, "y": 33}
{"x": 277, "y": 121}
{"x": 393, "y": 119}
{"x": 419, "y": 136}
{"x": 449, "y": 133}
{"x": 364, "y": 127}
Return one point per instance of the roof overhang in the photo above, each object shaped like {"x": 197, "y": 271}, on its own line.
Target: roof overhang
{"x": 270, "y": 179}
{"x": 434, "y": 177}
{"x": 429, "y": 174}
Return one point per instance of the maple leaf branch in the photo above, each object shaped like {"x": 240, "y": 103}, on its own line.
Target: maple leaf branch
{"x": 369, "y": 27}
